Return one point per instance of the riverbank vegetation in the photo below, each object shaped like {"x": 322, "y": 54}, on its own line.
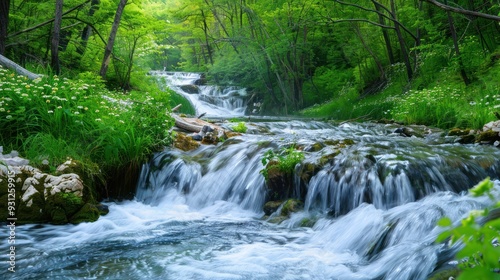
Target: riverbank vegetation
{"x": 50, "y": 119}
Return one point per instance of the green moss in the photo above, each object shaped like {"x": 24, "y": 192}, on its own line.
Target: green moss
{"x": 69, "y": 203}
{"x": 458, "y": 132}
{"x": 88, "y": 213}
{"x": 58, "y": 216}
{"x": 291, "y": 206}
{"x": 488, "y": 136}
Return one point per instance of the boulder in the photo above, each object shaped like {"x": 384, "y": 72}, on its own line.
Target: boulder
{"x": 493, "y": 126}
{"x": 191, "y": 89}
{"x": 42, "y": 197}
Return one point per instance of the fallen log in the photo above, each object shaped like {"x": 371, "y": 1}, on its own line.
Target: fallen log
{"x": 9, "y": 64}
{"x": 189, "y": 124}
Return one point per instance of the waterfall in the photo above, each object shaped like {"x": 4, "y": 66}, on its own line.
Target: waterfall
{"x": 211, "y": 100}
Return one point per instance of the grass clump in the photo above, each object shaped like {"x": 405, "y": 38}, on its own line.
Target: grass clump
{"x": 285, "y": 160}
{"x": 240, "y": 127}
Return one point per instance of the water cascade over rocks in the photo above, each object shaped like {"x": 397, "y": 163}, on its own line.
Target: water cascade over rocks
{"x": 211, "y": 100}
{"x": 371, "y": 200}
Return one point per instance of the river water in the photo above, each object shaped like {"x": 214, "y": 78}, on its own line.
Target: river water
{"x": 370, "y": 212}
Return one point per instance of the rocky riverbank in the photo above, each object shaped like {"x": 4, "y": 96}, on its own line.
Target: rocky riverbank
{"x": 31, "y": 195}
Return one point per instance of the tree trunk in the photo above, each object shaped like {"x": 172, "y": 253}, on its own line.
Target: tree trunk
{"x": 404, "y": 52}
{"x": 111, "y": 40}
{"x": 456, "y": 47}
{"x": 56, "y": 32}
{"x": 4, "y": 23}
{"x": 385, "y": 34}
{"x": 87, "y": 30}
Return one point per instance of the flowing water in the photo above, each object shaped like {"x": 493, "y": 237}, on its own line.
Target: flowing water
{"x": 370, "y": 212}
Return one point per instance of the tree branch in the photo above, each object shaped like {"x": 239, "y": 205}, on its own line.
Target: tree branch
{"x": 462, "y": 11}
{"x": 392, "y": 18}
{"x": 46, "y": 22}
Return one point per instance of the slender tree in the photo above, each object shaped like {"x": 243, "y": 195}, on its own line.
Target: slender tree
{"x": 56, "y": 32}
{"x": 111, "y": 41}
{"x": 4, "y": 23}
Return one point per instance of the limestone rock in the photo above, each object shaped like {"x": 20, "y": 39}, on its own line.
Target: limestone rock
{"x": 42, "y": 197}
{"x": 494, "y": 126}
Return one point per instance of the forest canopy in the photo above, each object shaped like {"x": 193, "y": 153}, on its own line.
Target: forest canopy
{"x": 290, "y": 54}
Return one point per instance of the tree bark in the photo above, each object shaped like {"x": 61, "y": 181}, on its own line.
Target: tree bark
{"x": 457, "y": 48}
{"x": 9, "y": 64}
{"x": 4, "y": 23}
{"x": 404, "y": 52}
{"x": 56, "y": 32}
{"x": 385, "y": 34}
{"x": 111, "y": 40}
{"x": 87, "y": 30}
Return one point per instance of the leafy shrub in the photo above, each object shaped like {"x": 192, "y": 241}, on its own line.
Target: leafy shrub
{"x": 480, "y": 254}
{"x": 240, "y": 127}
{"x": 286, "y": 160}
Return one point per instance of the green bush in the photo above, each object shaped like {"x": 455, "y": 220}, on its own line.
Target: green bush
{"x": 480, "y": 256}
{"x": 286, "y": 160}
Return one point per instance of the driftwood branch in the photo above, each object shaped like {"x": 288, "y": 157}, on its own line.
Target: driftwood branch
{"x": 462, "y": 11}
{"x": 9, "y": 64}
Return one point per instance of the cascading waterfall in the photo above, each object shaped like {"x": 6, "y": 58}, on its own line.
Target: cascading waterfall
{"x": 371, "y": 210}
{"x": 211, "y": 100}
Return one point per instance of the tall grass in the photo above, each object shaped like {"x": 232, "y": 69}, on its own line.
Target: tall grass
{"x": 53, "y": 118}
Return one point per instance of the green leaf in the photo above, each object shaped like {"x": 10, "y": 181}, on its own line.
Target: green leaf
{"x": 443, "y": 236}
{"x": 444, "y": 222}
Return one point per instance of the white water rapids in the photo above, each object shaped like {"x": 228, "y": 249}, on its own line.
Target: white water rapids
{"x": 199, "y": 214}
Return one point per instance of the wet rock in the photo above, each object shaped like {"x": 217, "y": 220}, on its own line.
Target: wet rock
{"x": 191, "y": 89}
{"x": 272, "y": 206}
{"x": 185, "y": 143}
{"x": 488, "y": 137}
{"x": 292, "y": 206}
{"x": 467, "y": 139}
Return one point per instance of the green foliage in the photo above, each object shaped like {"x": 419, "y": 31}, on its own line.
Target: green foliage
{"x": 54, "y": 118}
{"x": 285, "y": 160}
{"x": 240, "y": 127}
{"x": 480, "y": 255}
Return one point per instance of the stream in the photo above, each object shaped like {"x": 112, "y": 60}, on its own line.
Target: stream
{"x": 370, "y": 212}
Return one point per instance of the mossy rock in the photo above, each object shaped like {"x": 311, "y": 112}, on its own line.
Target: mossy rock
{"x": 58, "y": 216}
{"x": 230, "y": 134}
{"x": 32, "y": 210}
{"x": 292, "y": 206}
{"x": 185, "y": 143}
{"x": 68, "y": 202}
{"x": 458, "y": 132}
{"x": 271, "y": 206}
{"x": 467, "y": 139}
{"x": 444, "y": 273}
{"x": 307, "y": 222}
{"x": 279, "y": 183}
{"x": 489, "y": 136}
{"x": 88, "y": 213}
